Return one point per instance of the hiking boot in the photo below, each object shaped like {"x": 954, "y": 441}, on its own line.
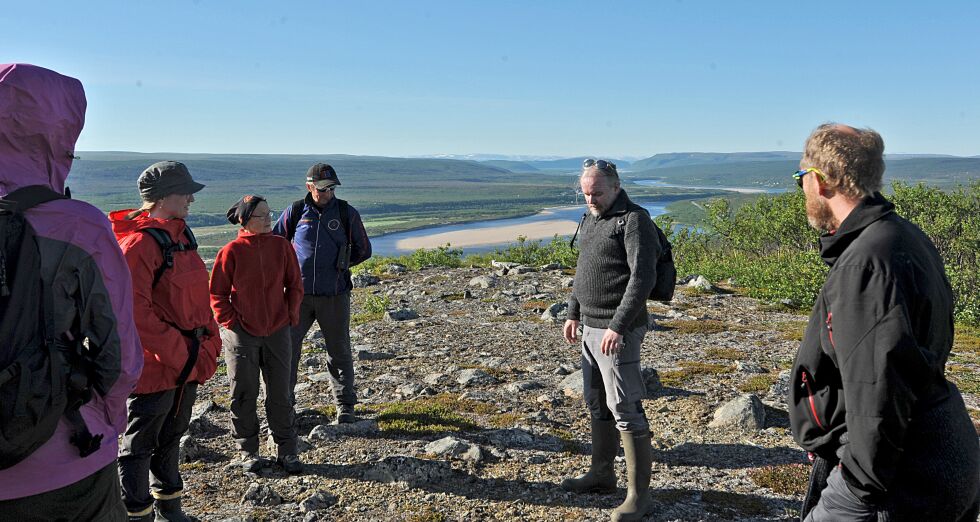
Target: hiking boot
{"x": 144, "y": 516}
{"x": 345, "y": 415}
{"x": 291, "y": 464}
{"x": 168, "y": 510}
{"x": 639, "y": 459}
{"x": 601, "y": 477}
{"x": 251, "y": 462}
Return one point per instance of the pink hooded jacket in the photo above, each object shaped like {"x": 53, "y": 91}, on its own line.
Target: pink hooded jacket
{"x": 41, "y": 116}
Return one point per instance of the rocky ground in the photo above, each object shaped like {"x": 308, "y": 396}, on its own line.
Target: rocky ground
{"x": 471, "y": 409}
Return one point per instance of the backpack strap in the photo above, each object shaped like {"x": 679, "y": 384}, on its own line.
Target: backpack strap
{"x": 295, "y": 214}
{"x": 579, "y": 227}
{"x": 345, "y": 219}
{"x": 167, "y": 247}
{"x": 28, "y": 197}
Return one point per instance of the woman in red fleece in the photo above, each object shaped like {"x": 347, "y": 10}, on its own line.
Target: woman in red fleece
{"x": 256, "y": 291}
{"x": 178, "y": 333}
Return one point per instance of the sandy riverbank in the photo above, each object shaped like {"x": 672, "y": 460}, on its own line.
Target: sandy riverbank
{"x": 491, "y": 236}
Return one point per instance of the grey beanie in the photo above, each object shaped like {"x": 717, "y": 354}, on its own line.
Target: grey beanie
{"x": 165, "y": 178}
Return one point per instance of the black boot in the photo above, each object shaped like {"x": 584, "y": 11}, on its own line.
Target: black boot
{"x": 169, "y": 510}
{"x": 143, "y": 516}
{"x": 601, "y": 477}
{"x": 639, "y": 462}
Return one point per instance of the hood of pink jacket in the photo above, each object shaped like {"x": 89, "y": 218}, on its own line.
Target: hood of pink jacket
{"x": 41, "y": 115}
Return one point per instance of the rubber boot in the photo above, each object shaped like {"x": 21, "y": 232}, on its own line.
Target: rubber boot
{"x": 639, "y": 462}
{"x": 169, "y": 510}
{"x": 601, "y": 476}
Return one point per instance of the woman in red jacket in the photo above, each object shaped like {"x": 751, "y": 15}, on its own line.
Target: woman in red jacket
{"x": 178, "y": 333}
{"x": 256, "y": 291}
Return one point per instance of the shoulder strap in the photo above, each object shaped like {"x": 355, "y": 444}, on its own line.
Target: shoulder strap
{"x": 579, "y": 227}
{"x": 167, "y": 248}
{"x": 345, "y": 218}
{"x": 28, "y": 197}
{"x": 295, "y": 214}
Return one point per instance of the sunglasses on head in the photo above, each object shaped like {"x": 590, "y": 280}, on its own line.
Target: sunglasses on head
{"x": 798, "y": 175}
{"x": 607, "y": 166}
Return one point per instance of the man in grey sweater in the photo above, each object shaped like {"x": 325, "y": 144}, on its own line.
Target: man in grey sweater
{"x": 615, "y": 273}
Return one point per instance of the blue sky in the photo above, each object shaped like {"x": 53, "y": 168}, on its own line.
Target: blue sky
{"x": 543, "y": 78}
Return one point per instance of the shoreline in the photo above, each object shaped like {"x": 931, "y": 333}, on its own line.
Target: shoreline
{"x": 491, "y": 236}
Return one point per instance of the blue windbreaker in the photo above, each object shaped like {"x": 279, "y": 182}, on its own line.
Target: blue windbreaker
{"x": 318, "y": 239}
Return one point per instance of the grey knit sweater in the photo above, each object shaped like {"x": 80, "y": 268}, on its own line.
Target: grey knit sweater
{"x": 616, "y": 268}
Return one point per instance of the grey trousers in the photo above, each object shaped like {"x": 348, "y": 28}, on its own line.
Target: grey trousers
{"x": 95, "y": 497}
{"x": 837, "y": 503}
{"x": 149, "y": 450}
{"x": 332, "y": 314}
{"x": 246, "y": 356}
{"x": 613, "y": 384}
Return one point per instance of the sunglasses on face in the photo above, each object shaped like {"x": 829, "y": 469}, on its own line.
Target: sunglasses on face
{"x": 798, "y": 175}
{"x": 325, "y": 189}
{"x": 604, "y": 165}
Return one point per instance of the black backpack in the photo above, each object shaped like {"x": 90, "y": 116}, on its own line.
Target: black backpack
{"x": 43, "y": 377}
{"x": 168, "y": 247}
{"x": 663, "y": 289}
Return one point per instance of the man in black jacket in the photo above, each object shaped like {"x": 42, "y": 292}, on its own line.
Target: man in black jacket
{"x": 615, "y": 273}
{"x": 868, "y": 397}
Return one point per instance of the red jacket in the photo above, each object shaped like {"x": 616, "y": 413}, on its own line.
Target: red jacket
{"x": 178, "y": 302}
{"x": 256, "y": 283}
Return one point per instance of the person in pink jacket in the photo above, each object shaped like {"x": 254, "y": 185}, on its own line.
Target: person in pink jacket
{"x": 256, "y": 291}
{"x": 41, "y": 117}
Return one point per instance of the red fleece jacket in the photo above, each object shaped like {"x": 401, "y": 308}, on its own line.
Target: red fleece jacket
{"x": 256, "y": 283}
{"x": 178, "y": 302}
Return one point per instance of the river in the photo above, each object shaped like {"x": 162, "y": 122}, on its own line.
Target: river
{"x": 485, "y": 236}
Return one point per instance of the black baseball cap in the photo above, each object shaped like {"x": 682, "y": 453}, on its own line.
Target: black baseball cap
{"x": 322, "y": 175}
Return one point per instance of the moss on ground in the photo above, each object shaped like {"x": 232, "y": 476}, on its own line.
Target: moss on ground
{"x": 431, "y": 415}
{"x": 691, "y": 369}
{"x": 428, "y": 514}
{"x": 730, "y": 354}
{"x": 966, "y": 378}
{"x": 537, "y": 306}
{"x": 707, "y": 326}
{"x": 790, "y": 330}
{"x": 758, "y": 383}
{"x": 505, "y": 420}
{"x": 569, "y": 444}
{"x": 788, "y": 479}
{"x": 733, "y": 504}
{"x": 365, "y": 317}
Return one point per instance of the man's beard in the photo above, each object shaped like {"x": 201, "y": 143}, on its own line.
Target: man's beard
{"x": 595, "y": 211}
{"x": 819, "y": 215}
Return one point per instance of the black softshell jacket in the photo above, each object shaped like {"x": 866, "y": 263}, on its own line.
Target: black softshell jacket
{"x": 871, "y": 365}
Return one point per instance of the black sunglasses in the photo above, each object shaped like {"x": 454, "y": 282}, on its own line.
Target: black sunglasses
{"x": 607, "y": 166}
{"x": 325, "y": 189}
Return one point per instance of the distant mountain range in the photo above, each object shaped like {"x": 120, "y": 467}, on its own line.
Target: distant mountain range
{"x": 667, "y": 160}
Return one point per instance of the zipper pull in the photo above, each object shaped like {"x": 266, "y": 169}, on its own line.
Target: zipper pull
{"x": 830, "y": 329}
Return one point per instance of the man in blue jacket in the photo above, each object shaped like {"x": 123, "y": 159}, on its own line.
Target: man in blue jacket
{"x": 329, "y": 239}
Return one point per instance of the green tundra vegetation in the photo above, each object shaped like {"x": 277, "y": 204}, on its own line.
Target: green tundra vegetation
{"x": 767, "y": 248}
